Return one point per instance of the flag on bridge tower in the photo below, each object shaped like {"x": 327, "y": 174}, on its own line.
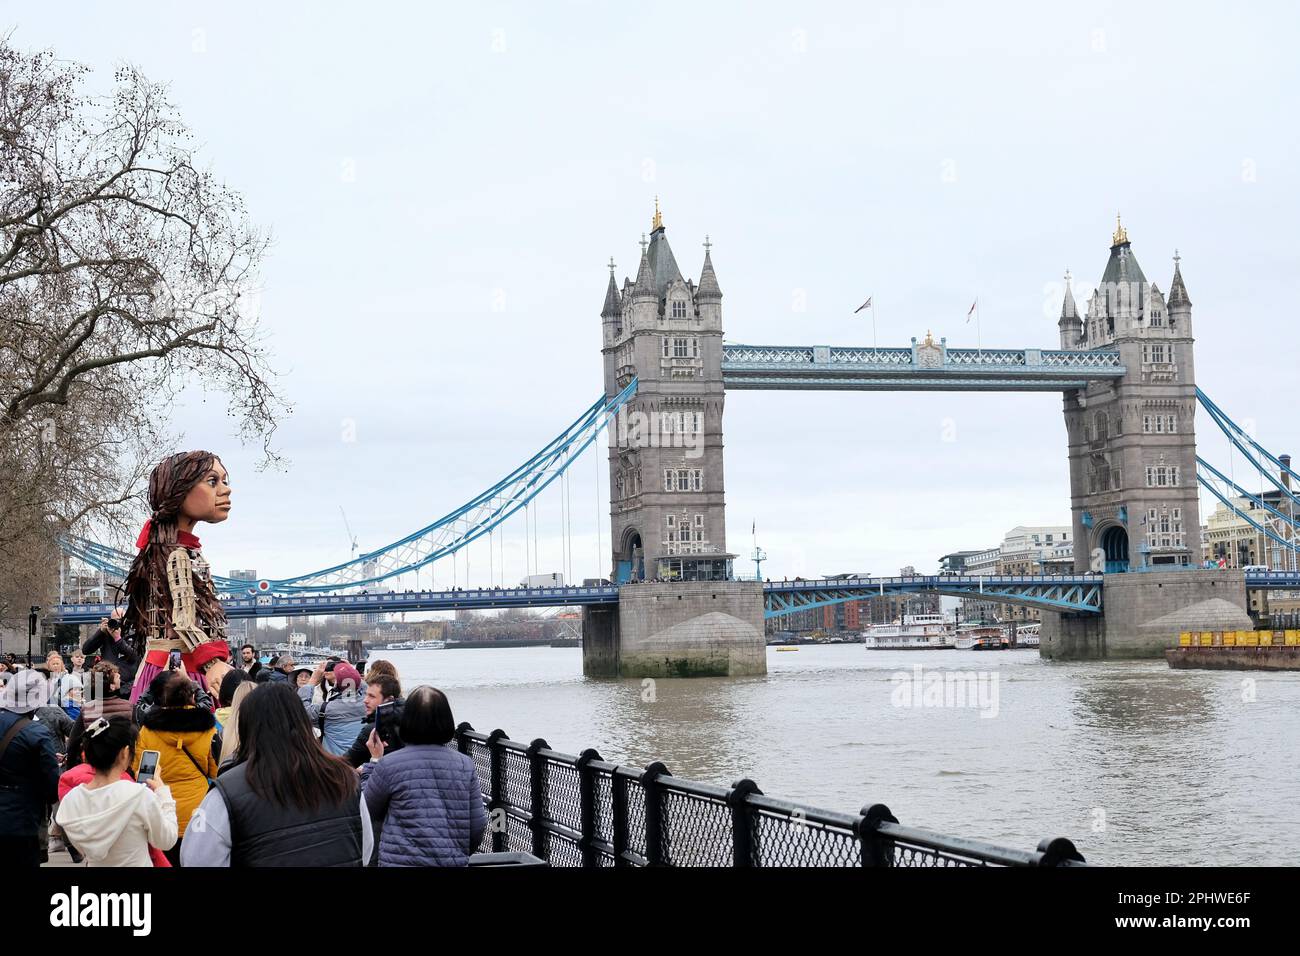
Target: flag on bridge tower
{"x": 971, "y": 310}
{"x": 864, "y": 305}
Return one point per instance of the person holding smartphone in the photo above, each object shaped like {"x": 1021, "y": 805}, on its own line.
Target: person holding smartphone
{"x": 383, "y": 703}
{"x": 182, "y": 732}
{"x": 111, "y": 819}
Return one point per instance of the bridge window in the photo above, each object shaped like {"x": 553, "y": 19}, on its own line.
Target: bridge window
{"x": 1161, "y": 476}
{"x": 1157, "y": 318}
{"x": 679, "y": 309}
{"x": 1154, "y": 353}
{"x": 684, "y": 479}
{"x": 1100, "y": 432}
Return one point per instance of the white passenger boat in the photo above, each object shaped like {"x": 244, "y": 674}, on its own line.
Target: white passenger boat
{"x": 401, "y": 646}
{"x": 430, "y": 645}
{"x": 913, "y": 632}
{"x": 979, "y": 637}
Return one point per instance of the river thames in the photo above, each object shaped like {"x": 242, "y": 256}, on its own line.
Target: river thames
{"x": 1136, "y": 763}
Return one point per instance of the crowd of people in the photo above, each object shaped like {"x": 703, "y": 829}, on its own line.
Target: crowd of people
{"x": 279, "y": 766}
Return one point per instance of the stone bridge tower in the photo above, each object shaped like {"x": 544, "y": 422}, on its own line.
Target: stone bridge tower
{"x": 665, "y": 450}
{"x": 679, "y": 614}
{"x": 1132, "y": 440}
{"x": 1133, "y": 475}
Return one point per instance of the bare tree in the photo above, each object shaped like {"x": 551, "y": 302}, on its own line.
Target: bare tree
{"x": 127, "y": 273}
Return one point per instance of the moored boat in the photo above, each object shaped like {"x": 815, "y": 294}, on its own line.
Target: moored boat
{"x": 973, "y": 637}
{"x": 912, "y": 632}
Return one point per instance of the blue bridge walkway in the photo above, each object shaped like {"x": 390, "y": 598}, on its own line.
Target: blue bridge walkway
{"x": 1080, "y": 593}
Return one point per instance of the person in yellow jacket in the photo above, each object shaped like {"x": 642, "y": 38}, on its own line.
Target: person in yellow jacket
{"x": 182, "y": 734}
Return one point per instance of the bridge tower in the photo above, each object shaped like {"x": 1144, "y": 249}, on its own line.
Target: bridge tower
{"x": 680, "y": 613}
{"x": 1132, "y": 440}
{"x": 665, "y": 453}
{"x": 1132, "y": 447}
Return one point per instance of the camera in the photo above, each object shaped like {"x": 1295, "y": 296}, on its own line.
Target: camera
{"x": 114, "y": 623}
{"x": 388, "y": 718}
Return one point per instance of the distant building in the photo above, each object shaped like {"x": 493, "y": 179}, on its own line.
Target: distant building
{"x": 1042, "y": 549}
{"x": 955, "y": 563}
{"x": 1230, "y": 538}
{"x": 238, "y": 631}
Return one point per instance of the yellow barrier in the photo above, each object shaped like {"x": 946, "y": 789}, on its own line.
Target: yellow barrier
{"x": 1288, "y": 638}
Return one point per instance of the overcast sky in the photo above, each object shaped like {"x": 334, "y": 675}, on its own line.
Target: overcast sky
{"x": 445, "y": 183}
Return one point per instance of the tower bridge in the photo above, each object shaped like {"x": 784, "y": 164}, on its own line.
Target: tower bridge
{"x": 1124, "y": 367}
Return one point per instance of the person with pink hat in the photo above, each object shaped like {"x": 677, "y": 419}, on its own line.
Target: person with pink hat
{"x": 337, "y": 718}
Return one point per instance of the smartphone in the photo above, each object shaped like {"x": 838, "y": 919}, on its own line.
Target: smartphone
{"x": 148, "y": 766}
{"x": 387, "y": 718}
{"x": 174, "y": 661}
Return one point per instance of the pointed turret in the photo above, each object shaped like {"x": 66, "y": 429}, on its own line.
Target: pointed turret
{"x": 1070, "y": 324}
{"x": 708, "y": 279}
{"x": 1178, "y": 291}
{"x": 613, "y": 304}
{"x": 645, "y": 277}
{"x": 663, "y": 264}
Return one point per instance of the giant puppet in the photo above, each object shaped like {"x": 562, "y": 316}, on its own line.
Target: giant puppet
{"x": 171, "y": 602}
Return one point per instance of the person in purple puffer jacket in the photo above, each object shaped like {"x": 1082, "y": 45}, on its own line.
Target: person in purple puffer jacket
{"x": 425, "y": 794}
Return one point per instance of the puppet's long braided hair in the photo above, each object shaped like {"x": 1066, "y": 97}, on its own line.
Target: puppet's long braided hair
{"x": 149, "y": 607}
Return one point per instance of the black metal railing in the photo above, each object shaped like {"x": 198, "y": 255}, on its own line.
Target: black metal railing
{"x": 586, "y": 811}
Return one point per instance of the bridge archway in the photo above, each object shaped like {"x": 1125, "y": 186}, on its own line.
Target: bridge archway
{"x": 630, "y": 564}
{"x": 1114, "y": 542}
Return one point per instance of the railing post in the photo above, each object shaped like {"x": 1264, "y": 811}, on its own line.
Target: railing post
{"x": 1055, "y": 852}
{"x": 654, "y": 829}
{"x": 618, "y": 815}
{"x": 497, "y": 802}
{"x": 538, "y": 776}
{"x": 587, "y": 807}
{"x": 876, "y": 850}
{"x": 744, "y": 833}
{"x": 462, "y": 742}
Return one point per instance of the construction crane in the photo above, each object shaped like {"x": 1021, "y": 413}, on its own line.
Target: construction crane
{"x": 351, "y": 537}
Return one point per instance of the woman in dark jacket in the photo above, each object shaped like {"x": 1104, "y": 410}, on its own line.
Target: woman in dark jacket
{"x": 426, "y": 794}
{"x": 285, "y": 802}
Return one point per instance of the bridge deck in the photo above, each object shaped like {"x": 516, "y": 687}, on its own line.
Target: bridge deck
{"x": 1077, "y": 592}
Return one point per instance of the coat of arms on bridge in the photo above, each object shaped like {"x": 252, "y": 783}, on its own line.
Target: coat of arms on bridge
{"x": 929, "y": 354}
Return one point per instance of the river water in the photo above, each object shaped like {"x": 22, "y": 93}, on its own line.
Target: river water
{"x": 1137, "y": 763}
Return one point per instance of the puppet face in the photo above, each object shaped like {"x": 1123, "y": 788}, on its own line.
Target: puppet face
{"x": 209, "y": 500}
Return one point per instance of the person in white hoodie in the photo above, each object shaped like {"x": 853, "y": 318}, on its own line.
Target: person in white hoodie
{"x": 113, "y": 821}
